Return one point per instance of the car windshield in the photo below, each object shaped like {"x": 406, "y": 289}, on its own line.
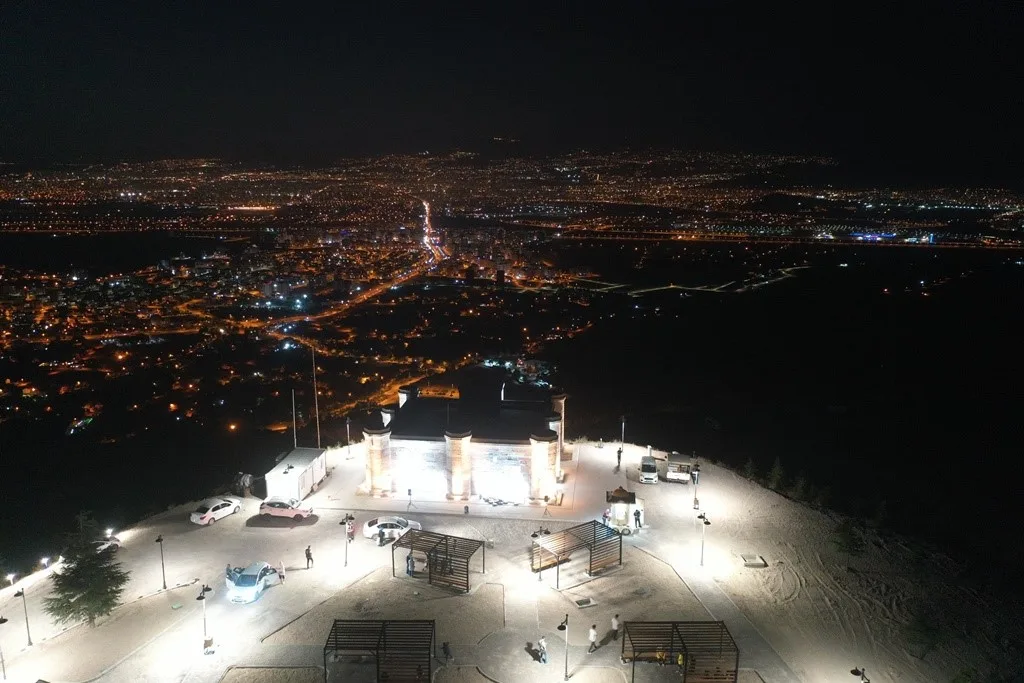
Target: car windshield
{"x": 648, "y": 468}
{"x": 401, "y": 522}
{"x": 202, "y": 509}
{"x": 294, "y": 503}
{"x": 246, "y": 580}
{"x": 372, "y": 522}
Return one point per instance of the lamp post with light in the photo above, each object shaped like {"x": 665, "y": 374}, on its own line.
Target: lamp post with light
{"x": 703, "y": 527}
{"x": 862, "y": 672}
{"x": 622, "y": 441}
{"x": 346, "y": 520}
{"x": 202, "y": 598}
{"x": 163, "y": 572}
{"x": 3, "y": 664}
{"x": 564, "y": 626}
{"x": 24, "y": 604}
{"x": 348, "y": 437}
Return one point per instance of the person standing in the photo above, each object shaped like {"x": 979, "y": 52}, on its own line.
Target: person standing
{"x": 280, "y": 571}
{"x": 592, "y": 636}
{"x": 615, "y": 627}
{"x": 380, "y": 538}
{"x": 228, "y": 574}
{"x": 309, "y": 556}
{"x": 446, "y": 648}
{"x": 636, "y": 519}
{"x": 618, "y": 459}
{"x": 542, "y": 650}
{"x": 606, "y": 516}
{"x": 410, "y": 564}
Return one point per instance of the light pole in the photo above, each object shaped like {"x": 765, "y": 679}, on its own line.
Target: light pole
{"x": 707, "y": 522}
{"x": 622, "y": 441}
{"x": 24, "y": 604}
{"x": 863, "y": 673}
{"x": 695, "y": 478}
{"x": 3, "y": 664}
{"x": 202, "y": 598}
{"x": 348, "y": 519}
{"x": 163, "y": 572}
{"x": 564, "y": 626}
{"x": 348, "y": 437}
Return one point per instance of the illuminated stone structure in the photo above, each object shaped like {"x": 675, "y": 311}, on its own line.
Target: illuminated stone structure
{"x": 482, "y": 445}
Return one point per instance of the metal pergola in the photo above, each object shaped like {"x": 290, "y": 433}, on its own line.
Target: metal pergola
{"x": 603, "y": 543}
{"x": 447, "y": 556}
{"x": 709, "y": 653}
{"x": 402, "y": 650}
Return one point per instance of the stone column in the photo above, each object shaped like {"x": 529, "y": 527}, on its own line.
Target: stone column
{"x": 459, "y": 464}
{"x": 388, "y": 414}
{"x": 543, "y": 456}
{"x": 558, "y": 405}
{"x": 378, "y": 473}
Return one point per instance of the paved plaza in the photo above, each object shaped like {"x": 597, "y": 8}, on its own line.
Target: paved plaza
{"x": 493, "y": 630}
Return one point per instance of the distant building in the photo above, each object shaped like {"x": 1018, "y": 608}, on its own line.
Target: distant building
{"x": 485, "y": 444}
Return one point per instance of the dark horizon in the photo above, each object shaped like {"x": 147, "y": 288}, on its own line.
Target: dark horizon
{"x": 929, "y": 95}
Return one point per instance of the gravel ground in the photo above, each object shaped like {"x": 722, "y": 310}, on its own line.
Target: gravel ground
{"x": 246, "y": 674}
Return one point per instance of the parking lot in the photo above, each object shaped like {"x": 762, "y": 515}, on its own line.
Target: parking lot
{"x": 158, "y": 635}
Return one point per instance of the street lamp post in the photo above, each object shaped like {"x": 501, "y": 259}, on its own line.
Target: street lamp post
{"x": 348, "y": 519}
{"x": 24, "y": 604}
{"x": 163, "y": 572}
{"x": 348, "y": 437}
{"x": 707, "y": 522}
{"x": 622, "y": 441}
{"x": 202, "y": 598}
{"x": 564, "y": 626}
{"x": 862, "y": 672}
{"x": 3, "y": 664}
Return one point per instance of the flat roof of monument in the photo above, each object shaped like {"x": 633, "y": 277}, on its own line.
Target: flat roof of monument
{"x": 432, "y": 417}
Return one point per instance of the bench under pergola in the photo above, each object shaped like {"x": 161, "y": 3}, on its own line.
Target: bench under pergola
{"x": 447, "y": 556}
{"x": 401, "y": 649}
{"x": 603, "y": 544}
{"x": 709, "y": 654}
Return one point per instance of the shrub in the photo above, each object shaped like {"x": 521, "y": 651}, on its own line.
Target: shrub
{"x": 847, "y": 538}
{"x": 750, "y": 469}
{"x": 798, "y": 491}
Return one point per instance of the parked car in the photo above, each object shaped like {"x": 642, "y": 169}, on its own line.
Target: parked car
{"x": 249, "y": 584}
{"x": 285, "y": 507}
{"x": 110, "y": 542}
{"x": 393, "y": 527}
{"x": 212, "y": 509}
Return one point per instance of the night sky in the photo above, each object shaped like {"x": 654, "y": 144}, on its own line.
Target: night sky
{"x": 932, "y": 92}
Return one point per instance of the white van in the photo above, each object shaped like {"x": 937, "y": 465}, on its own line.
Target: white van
{"x": 648, "y": 470}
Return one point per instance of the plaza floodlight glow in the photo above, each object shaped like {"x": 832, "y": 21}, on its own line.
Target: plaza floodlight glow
{"x": 110, "y": 532}
{"x": 45, "y": 561}
{"x": 10, "y": 578}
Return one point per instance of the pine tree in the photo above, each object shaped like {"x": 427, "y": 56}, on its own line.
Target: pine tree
{"x": 750, "y": 469}
{"x": 776, "y": 475}
{"x": 89, "y": 584}
{"x": 799, "y": 488}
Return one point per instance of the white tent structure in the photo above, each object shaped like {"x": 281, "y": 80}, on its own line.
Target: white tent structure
{"x": 298, "y": 473}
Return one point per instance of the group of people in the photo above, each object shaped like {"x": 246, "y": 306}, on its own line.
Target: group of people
{"x": 542, "y": 643}
{"x": 637, "y": 516}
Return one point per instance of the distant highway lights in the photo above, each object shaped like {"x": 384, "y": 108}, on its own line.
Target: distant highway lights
{"x": 24, "y": 605}
{"x": 564, "y": 627}
{"x": 703, "y": 527}
{"x": 202, "y": 598}
{"x": 862, "y": 672}
{"x": 163, "y": 572}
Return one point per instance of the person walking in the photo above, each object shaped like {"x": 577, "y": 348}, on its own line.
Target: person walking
{"x": 410, "y": 564}
{"x": 618, "y": 459}
{"x": 542, "y": 650}
{"x": 228, "y": 574}
{"x": 309, "y": 556}
{"x": 592, "y": 636}
{"x": 636, "y": 519}
{"x": 615, "y": 627}
{"x": 606, "y": 516}
{"x": 280, "y": 570}
{"x": 446, "y": 649}
{"x": 380, "y": 538}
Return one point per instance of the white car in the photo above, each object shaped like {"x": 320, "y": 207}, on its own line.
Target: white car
{"x": 249, "y": 584}
{"x": 212, "y": 509}
{"x": 277, "y": 506}
{"x": 393, "y": 527}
